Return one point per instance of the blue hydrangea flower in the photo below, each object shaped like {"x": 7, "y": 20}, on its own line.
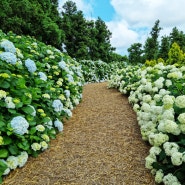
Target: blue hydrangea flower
{"x": 59, "y": 125}
{"x": 57, "y": 105}
{"x": 62, "y": 65}
{"x": 67, "y": 93}
{"x": 19, "y": 125}
{"x": 30, "y": 64}
{"x": 8, "y": 46}
{"x": 8, "y": 57}
{"x": 42, "y": 76}
{"x": 70, "y": 78}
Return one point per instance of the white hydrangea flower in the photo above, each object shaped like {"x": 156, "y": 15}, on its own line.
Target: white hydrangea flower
{"x": 181, "y": 118}
{"x": 44, "y": 145}
{"x": 59, "y": 125}
{"x": 175, "y": 75}
{"x": 70, "y": 78}
{"x": 149, "y": 160}
{"x": 2, "y": 94}
{"x": 30, "y": 64}
{"x": 9, "y": 103}
{"x": 45, "y": 137}
{"x": 169, "y": 126}
{"x": 158, "y": 139}
{"x": 36, "y": 146}
{"x": 170, "y": 148}
{"x": 19, "y": 125}
{"x": 159, "y": 176}
{"x": 180, "y": 101}
{"x": 168, "y": 83}
{"x": 159, "y": 82}
{"x": 177, "y": 158}
{"x": 49, "y": 124}
{"x": 8, "y": 46}
{"x": 57, "y": 105}
{"x": 170, "y": 179}
{"x": 147, "y": 98}
{"x": 157, "y": 97}
{"x": 168, "y": 114}
{"x": 40, "y": 128}
{"x": 42, "y": 76}
{"x": 22, "y": 159}
{"x": 168, "y": 101}
{"x": 12, "y": 162}
{"x": 8, "y": 57}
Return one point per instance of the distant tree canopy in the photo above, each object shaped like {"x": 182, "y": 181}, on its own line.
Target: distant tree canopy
{"x": 170, "y": 48}
{"x": 68, "y": 30}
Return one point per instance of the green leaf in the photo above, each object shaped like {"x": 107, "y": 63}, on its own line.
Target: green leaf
{"x": 5, "y": 85}
{"x": 24, "y": 145}
{"x": 3, "y": 153}
{"x": 2, "y": 124}
{"x": 12, "y": 111}
{"x": 3, "y": 167}
{"x": 13, "y": 149}
{"x": 7, "y": 140}
{"x": 28, "y": 110}
{"x": 32, "y": 130}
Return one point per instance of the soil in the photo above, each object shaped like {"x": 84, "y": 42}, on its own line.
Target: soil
{"x": 100, "y": 145}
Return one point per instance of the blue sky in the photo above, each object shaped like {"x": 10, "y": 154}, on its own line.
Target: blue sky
{"x": 130, "y": 21}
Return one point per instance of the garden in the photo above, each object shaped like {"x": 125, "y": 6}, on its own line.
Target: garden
{"x": 40, "y": 86}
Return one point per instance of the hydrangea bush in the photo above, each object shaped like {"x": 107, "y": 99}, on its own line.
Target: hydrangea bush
{"x": 39, "y": 87}
{"x": 99, "y": 71}
{"x": 158, "y": 98}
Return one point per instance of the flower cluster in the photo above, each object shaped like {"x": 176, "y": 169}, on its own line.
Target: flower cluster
{"x": 158, "y": 98}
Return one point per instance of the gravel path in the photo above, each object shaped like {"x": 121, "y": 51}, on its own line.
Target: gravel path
{"x": 101, "y": 145}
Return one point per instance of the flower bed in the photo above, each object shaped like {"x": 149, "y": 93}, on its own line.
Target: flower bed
{"x": 39, "y": 86}
{"x": 158, "y": 98}
{"x": 99, "y": 71}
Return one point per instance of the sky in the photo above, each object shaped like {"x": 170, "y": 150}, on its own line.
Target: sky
{"x": 130, "y": 21}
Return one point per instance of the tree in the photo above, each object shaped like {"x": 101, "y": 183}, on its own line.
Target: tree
{"x": 152, "y": 44}
{"x": 75, "y": 28}
{"x": 38, "y": 18}
{"x": 175, "y": 55}
{"x": 178, "y": 37}
{"x": 164, "y": 48}
{"x": 103, "y": 46}
{"x": 135, "y": 53}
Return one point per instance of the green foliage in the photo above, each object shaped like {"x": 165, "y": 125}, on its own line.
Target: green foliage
{"x": 38, "y": 18}
{"x": 39, "y": 86}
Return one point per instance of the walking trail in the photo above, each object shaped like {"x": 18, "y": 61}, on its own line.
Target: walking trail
{"x": 100, "y": 145}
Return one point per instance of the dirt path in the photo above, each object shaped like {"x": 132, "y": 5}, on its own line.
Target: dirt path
{"x": 101, "y": 145}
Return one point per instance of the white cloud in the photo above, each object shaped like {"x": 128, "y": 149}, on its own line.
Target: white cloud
{"x": 140, "y": 17}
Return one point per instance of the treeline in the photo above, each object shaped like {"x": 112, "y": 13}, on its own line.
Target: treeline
{"x": 67, "y": 30}
{"x": 170, "y": 49}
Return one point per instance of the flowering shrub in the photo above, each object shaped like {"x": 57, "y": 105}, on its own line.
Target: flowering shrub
{"x": 158, "y": 98}
{"x": 99, "y": 71}
{"x": 39, "y": 86}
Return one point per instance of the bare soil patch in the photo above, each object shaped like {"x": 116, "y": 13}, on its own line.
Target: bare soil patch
{"x": 100, "y": 145}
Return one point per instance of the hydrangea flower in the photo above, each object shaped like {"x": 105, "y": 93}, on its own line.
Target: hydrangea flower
{"x": 8, "y": 46}
{"x": 70, "y": 78}
{"x": 8, "y": 57}
{"x": 57, "y": 105}
{"x": 68, "y": 112}
{"x": 1, "y": 140}
{"x": 40, "y": 128}
{"x": 45, "y": 137}
{"x": 177, "y": 158}
{"x": 44, "y": 145}
{"x": 30, "y": 64}
{"x": 36, "y": 146}
{"x": 2, "y": 94}
{"x": 181, "y": 118}
{"x": 62, "y": 65}
{"x": 67, "y": 93}
{"x": 159, "y": 176}
{"x": 19, "y": 125}
{"x": 49, "y": 124}
{"x": 9, "y": 103}
{"x": 12, "y": 162}
{"x": 42, "y": 76}
{"x": 59, "y": 125}
{"x": 170, "y": 179}
{"x": 47, "y": 96}
{"x": 22, "y": 159}
{"x": 180, "y": 101}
